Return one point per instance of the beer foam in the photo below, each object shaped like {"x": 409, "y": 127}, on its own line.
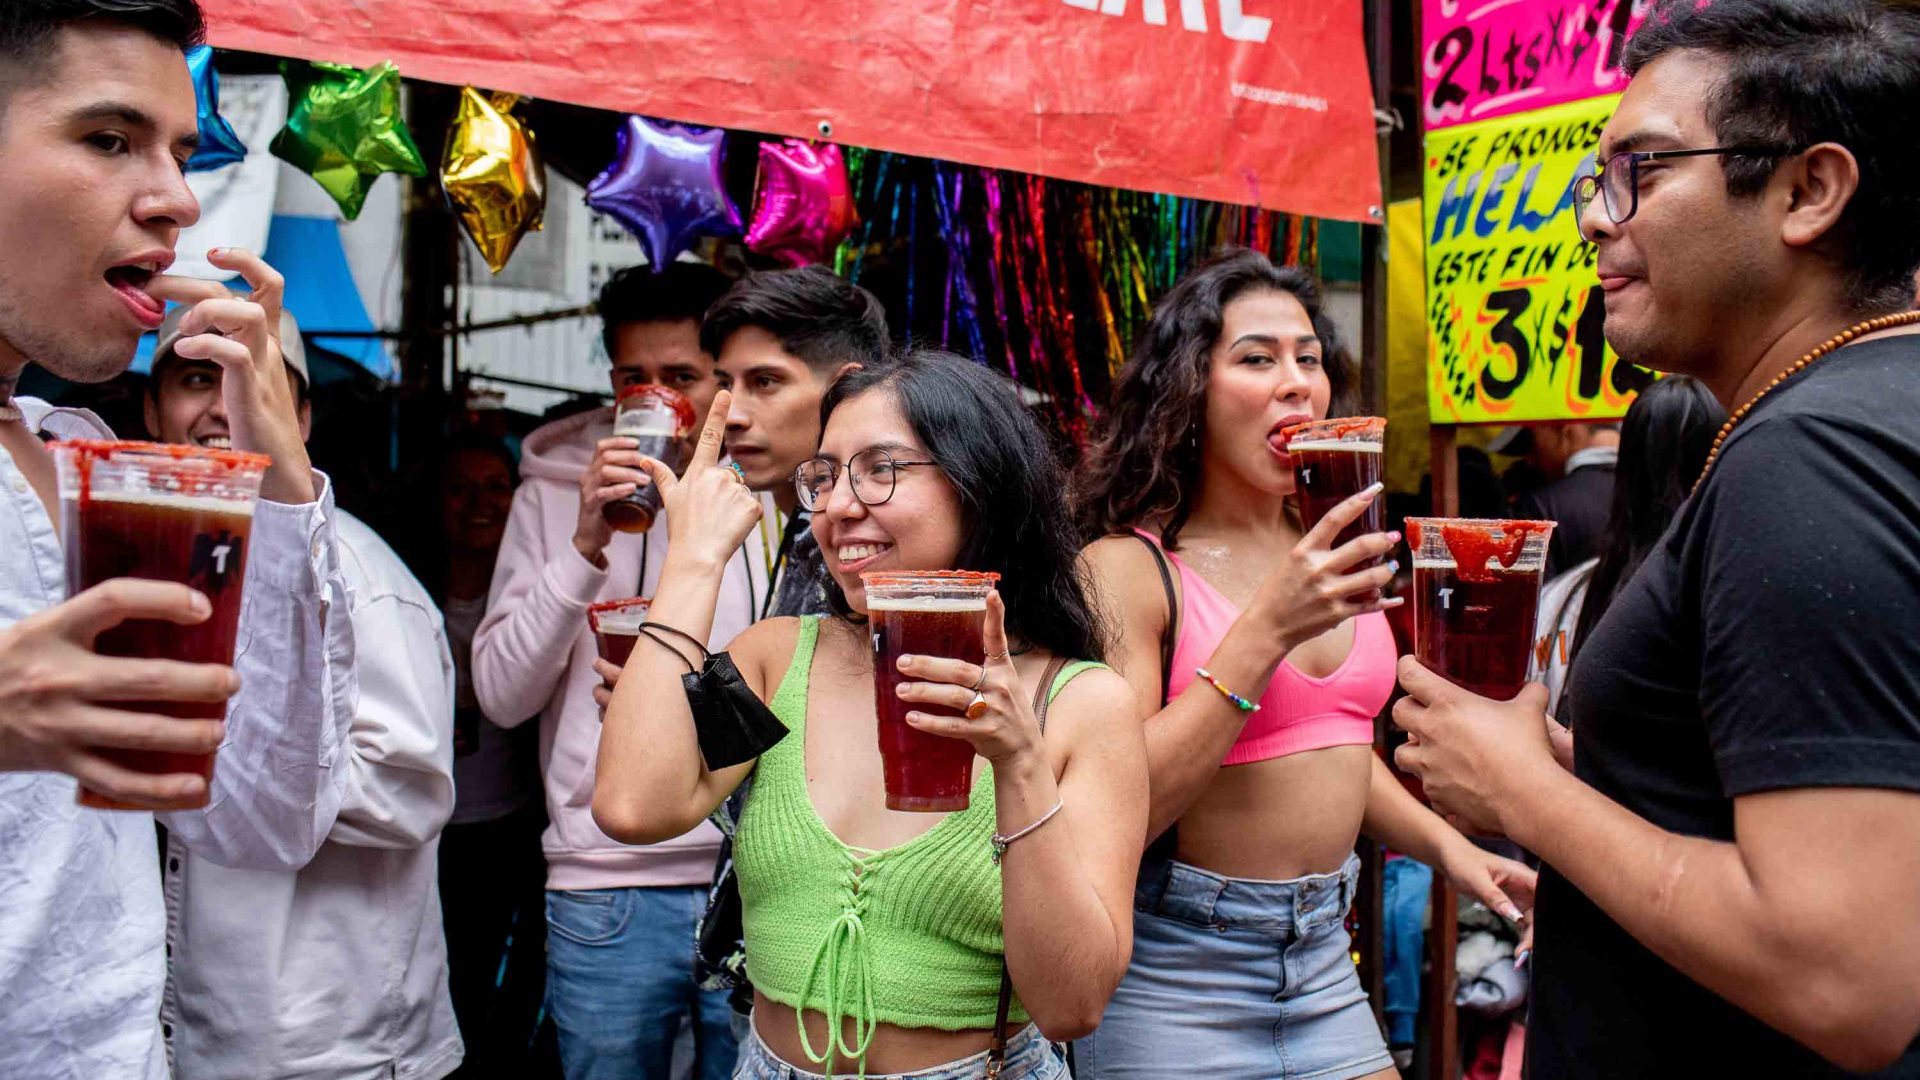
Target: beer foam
{"x": 162, "y": 500}
{"x": 926, "y": 604}
{"x": 620, "y": 622}
{"x": 1336, "y": 445}
{"x": 1448, "y": 564}
{"x": 648, "y": 422}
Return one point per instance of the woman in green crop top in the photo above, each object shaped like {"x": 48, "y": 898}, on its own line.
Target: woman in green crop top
{"x": 876, "y": 940}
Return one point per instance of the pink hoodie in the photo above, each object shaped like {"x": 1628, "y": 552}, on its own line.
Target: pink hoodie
{"x": 533, "y": 654}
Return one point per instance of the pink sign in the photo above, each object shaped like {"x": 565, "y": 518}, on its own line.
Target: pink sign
{"x": 1487, "y": 58}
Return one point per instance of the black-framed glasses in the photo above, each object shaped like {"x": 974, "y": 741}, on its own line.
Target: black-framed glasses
{"x": 871, "y": 472}
{"x": 1617, "y": 180}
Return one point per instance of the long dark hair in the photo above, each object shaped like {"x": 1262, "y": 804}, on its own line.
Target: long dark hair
{"x": 1011, "y": 487}
{"x": 1145, "y": 463}
{"x": 1663, "y": 445}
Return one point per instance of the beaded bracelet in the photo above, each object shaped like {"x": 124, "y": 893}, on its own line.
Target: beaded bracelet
{"x": 1239, "y": 702}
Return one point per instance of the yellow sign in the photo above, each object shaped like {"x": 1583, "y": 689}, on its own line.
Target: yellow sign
{"x": 1513, "y": 307}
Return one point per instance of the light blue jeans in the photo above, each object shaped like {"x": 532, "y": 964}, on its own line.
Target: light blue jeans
{"x": 1235, "y": 979}
{"x": 1029, "y": 1057}
{"x": 620, "y": 982}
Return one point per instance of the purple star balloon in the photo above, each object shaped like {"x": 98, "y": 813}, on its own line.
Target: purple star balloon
{"x": 803, "y": 207}
{"x": 665, "y": 186}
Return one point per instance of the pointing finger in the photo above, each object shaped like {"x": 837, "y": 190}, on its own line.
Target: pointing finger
{"x": 712, "y": 436}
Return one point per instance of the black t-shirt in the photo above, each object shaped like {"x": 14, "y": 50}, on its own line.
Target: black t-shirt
{"x": 1768, "y": 642}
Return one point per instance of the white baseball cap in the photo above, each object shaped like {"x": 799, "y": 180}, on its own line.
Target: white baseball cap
{"x": 292, "y": 349}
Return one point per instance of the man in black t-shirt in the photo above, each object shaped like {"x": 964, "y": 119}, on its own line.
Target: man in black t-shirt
{"x": 1732, "y": 879}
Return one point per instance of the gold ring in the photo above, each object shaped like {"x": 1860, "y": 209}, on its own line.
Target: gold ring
{"x": 977, "y": 708}
{"x": 992, "y": 656}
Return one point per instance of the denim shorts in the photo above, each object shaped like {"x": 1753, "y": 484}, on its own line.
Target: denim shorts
{"x": 1238, "y": 980}
{"x": 1029, "y": 1057}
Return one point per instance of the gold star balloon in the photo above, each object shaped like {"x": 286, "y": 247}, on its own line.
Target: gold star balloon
{"x": 493, "y": 175}
{"x": 344, "y": 129}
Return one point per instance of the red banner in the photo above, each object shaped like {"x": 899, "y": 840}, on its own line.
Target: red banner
{"x": 1259, "y": 102}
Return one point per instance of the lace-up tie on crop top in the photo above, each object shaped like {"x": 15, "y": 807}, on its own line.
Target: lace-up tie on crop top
{"x": 1298, "y": 712}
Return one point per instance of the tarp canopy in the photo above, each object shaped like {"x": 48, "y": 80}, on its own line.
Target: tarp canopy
{"x": 1258, "y": 102}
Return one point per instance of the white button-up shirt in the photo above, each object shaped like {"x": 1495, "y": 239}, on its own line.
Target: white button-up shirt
{"x": 337, "y": 971}
{"x": 82, "y": 919}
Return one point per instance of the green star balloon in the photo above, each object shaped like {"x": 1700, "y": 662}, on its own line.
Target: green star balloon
{"x": 344, "y": 129}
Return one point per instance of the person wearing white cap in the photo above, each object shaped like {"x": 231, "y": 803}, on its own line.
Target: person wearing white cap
{"x": 338, "y": 969}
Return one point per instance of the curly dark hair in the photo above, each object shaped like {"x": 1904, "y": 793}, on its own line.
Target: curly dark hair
{"x": 1145, "y": 461}
{"x": 1801, "y": 72}
{"x": 1012, "y": 491}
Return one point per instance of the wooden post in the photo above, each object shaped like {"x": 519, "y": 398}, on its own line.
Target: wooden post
{"x": 1368, "y": 905}
{"x": 1443, "y": 1029}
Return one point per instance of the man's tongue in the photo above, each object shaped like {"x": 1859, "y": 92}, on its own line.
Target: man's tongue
{"x": 127, "y": 282}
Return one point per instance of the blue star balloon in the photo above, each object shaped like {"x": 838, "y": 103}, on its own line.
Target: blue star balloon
{"x": 219, "y": 146}
{"x": 666, "y": 187}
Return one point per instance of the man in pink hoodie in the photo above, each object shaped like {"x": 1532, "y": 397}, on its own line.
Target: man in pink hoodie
{"x": 620, "y": 919}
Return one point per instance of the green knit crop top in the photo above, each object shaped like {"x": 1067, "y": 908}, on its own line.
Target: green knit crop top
{"x": 909, "y": 936}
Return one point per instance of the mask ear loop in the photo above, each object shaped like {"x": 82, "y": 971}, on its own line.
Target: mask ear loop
{"x": 648, "y": 628}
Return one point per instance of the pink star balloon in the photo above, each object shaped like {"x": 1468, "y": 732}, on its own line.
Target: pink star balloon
{"x": 803, "y": 206}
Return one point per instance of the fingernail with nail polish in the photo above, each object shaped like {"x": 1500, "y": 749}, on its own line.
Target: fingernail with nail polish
{"x": 1393, "y": 566}
{"x": 1520, "y": 958}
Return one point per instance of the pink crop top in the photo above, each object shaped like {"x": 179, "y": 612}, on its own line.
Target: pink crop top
{"x": 1297, "y": 711}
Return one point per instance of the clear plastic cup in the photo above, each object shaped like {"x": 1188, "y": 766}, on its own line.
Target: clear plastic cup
{"x": 1476, "y": 596}
{"x": 616, "y": 627}
{"x": 168, "y": 513}
{"x": 923, "y": 613}
{"x": 1334, "y": 460}
{"x": 661, "y": 420}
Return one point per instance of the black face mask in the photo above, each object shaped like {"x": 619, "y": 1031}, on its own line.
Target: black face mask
{"x": 733, "y": 724}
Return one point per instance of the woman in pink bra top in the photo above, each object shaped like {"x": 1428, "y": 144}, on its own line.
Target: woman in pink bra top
{"x": 1240, "y": 966}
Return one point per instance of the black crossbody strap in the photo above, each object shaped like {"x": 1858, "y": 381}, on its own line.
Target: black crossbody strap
{"x": 997, "y": 1052}
{"x": 1173, "y": 613}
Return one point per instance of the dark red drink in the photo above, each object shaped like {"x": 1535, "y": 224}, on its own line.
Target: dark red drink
{"x": 923, "y": 615}
{"x": 1479, "y": 634}
{"x": 1476, "y": 594}
{"x": 1333, "y": 460}
{"x": 616, "y": 628}
{"x": 168, "y": 514}
{"x": 660, "y": 420}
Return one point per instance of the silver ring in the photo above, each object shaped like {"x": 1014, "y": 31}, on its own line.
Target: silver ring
{"x": 979, "y": 682}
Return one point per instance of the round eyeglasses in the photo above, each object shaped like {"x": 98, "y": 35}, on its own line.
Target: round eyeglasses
{"x": 871, "y": 472}
{"x": 1617, "y": 181}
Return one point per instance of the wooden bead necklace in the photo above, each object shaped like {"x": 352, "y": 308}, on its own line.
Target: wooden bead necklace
{"x": 1871, "y": 326}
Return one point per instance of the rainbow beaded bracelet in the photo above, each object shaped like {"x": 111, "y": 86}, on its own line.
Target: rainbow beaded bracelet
{"x": 1242, "y": 703}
